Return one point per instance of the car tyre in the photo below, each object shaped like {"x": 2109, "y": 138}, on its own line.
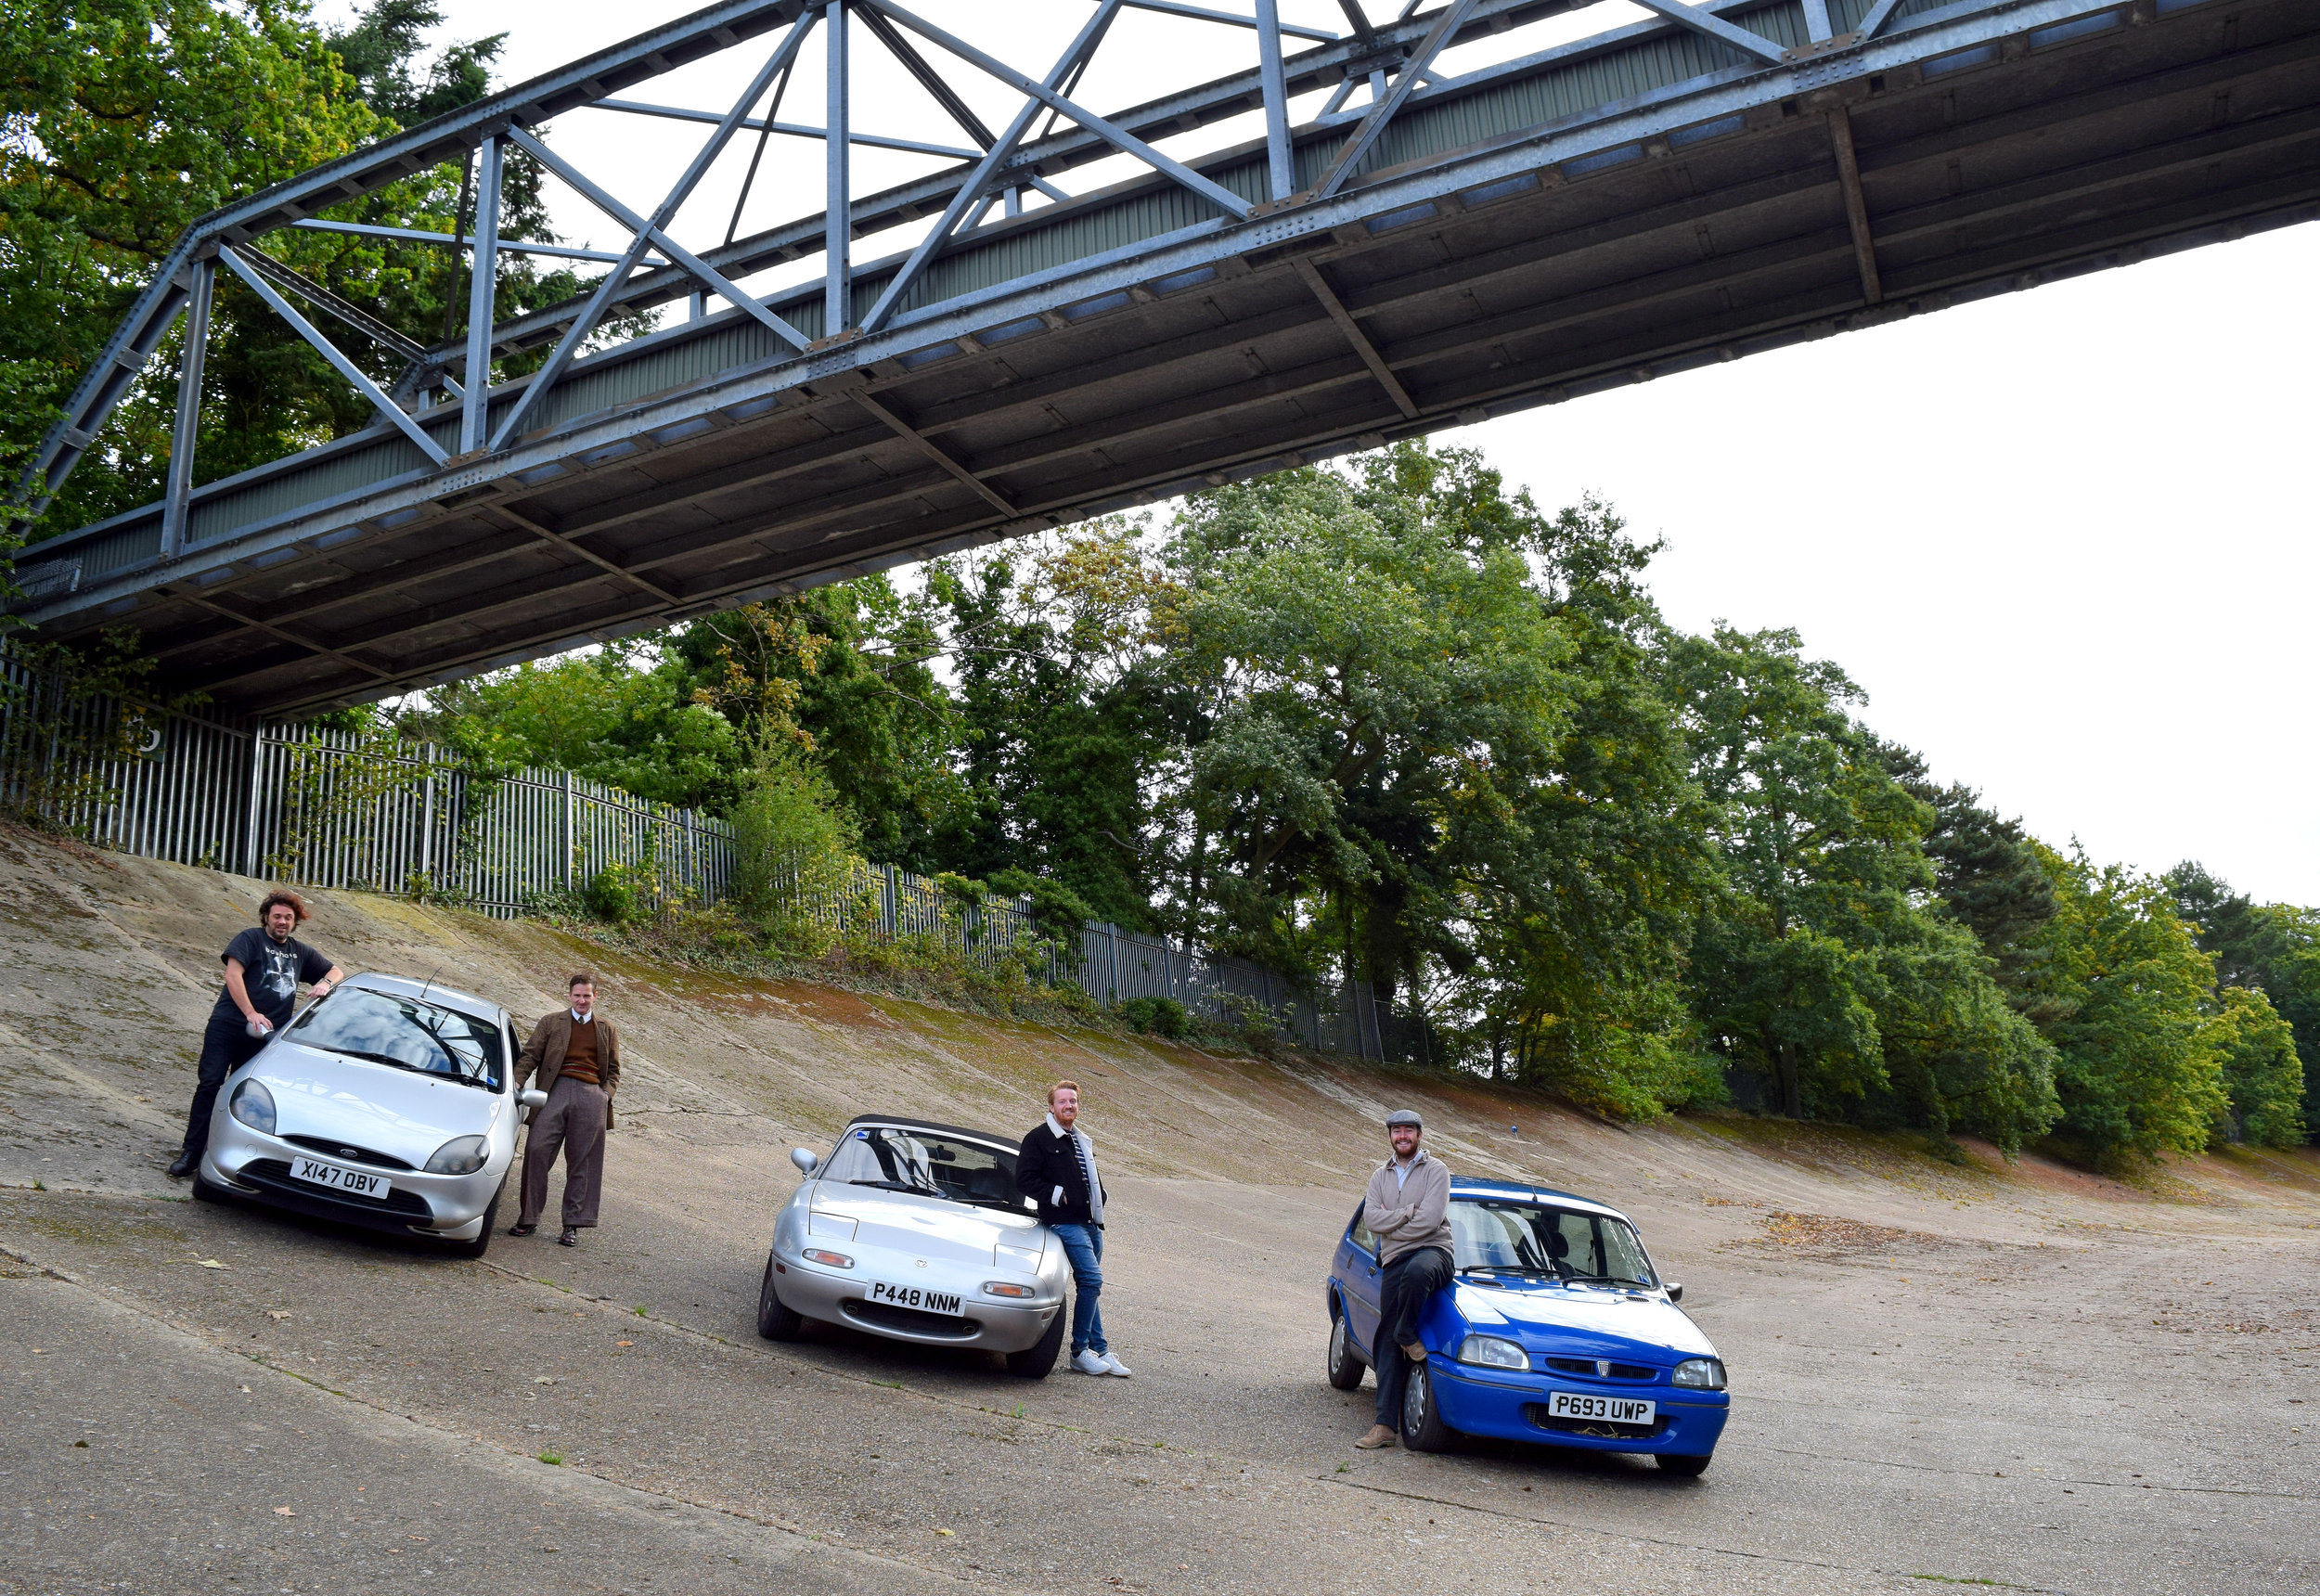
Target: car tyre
{"x": 1345, "y": 1363}
{"x": 1421, "y": 1426}
{"x": 1035, "y": 1362}
{"x": 209, "y": 1192}
{"x": 1683, "y": 1466}
{"x": 481, "y": 1244}
{"x": 776, "y": 1319}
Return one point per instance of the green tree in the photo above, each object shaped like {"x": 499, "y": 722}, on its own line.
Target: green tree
{"x": 2263, "y": 1077}
{"x": 1819, "y": 968}
{"x": 1059, "y": 720}
{"x": 618, "y": 715}
{"x": 2270, "y": 948}
{"x": 2137, "y": 1064}
{"x": 127, "y": 120}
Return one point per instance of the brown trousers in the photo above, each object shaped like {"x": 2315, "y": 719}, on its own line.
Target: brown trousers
{"x": 572, "y": 1122}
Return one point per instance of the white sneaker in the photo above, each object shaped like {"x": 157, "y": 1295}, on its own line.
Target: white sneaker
{"x": 1114, "y": 1365}
{"x": 1090, "y": 1363}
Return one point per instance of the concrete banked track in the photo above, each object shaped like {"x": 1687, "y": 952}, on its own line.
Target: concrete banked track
{"x": 1588, "y": 215}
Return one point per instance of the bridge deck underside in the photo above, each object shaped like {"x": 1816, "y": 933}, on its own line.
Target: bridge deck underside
{"x": 2145, "y": 139}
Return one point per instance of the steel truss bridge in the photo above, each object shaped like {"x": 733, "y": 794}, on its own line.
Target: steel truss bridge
{"x": 1425, "y": 248}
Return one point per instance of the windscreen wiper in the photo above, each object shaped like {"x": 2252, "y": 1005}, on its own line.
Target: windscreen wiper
{"x": 900, "y": 1186}
{"x": 1607, "y": 1280}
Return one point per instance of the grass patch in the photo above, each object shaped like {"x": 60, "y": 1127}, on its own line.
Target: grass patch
{"x": 553, "y": 1459}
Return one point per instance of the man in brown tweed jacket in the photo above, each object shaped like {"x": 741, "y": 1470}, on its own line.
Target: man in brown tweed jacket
{"x": 576, "y": 1053}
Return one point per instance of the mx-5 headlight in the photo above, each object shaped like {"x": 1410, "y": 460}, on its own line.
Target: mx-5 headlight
{"x": 1701, "y": 1373}
{"x": 1492, "y": 1352}
{"x": 463, "y": 1156}
{"x": 253, "y": 1105}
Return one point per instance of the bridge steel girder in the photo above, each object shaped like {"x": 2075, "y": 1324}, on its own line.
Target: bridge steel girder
{"x": 1471, "y": 267}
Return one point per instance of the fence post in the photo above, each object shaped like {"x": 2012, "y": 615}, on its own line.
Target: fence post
{"x": 250, "y": 816}
{"x": 1113, "y": 929}
{"x": 427, "y": 820}
{"x": 887, "y": 908}
{"x": 567, "y": 830}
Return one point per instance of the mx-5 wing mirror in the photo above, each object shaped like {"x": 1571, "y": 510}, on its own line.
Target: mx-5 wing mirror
{"x": 1675, "y": 1291}
{"x": 805, "y": 1160}
{"x": 532, "y": 1098}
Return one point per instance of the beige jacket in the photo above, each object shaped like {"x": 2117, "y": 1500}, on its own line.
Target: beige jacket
{"x": 545, "y": 1052}
{"x": 1412, "y": 1216}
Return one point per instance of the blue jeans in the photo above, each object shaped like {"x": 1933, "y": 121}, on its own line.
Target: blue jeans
{"x": 1083, "y": 1244}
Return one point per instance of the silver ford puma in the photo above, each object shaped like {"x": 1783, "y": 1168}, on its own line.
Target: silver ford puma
{"x": 385, "y": 1104}
{"x": 915, "y": 1231}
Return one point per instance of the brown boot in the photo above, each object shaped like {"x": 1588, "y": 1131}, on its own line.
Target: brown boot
{"x": 1379, "y": 1438}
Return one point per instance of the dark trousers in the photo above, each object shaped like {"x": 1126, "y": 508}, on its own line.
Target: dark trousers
{"x": 572, "y": 1122}
{"x": 226, "y": 1046}
{"x": 1409, "y": 1284}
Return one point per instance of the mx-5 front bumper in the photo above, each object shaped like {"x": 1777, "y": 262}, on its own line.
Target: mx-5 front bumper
{"x": 841, "y": 1296}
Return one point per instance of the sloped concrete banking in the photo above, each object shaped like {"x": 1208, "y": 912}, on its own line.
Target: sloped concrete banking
{"x": 2030, "y": 1377}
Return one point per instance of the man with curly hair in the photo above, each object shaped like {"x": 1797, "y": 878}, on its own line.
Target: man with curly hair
{"x": 263, "y": 967}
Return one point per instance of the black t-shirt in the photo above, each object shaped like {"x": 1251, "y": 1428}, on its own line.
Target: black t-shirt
{"x": 270, "y": 972}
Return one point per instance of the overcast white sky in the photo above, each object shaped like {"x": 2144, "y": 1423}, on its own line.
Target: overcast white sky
{"x": 2066, "y": 539}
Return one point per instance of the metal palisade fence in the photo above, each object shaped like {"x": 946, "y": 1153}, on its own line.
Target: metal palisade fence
{"x": 324, "y": 807}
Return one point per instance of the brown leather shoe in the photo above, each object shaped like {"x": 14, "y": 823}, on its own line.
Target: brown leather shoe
{"x": 1414, "y": 1351}
{"x": 1377, "y": 1439}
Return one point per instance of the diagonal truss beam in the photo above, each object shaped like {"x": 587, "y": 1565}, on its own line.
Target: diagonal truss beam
{"x": 1877, "y": 18}
{"x": 322, "y": 299}
{"x": 1714, "y": 27}
{"x": 919, "y": 67}
{"x": 648, "y": 232}
{"x": 329, "y": 351}
{"x": 1366, "y": 132}
{"x": 979, "y": 180}
{"x": 1232, "y": 204}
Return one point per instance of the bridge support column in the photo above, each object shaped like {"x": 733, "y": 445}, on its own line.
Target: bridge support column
{"x": 181, "y": 439}
{"x": 481, "y": 299}
{"x": 837, "y": 236}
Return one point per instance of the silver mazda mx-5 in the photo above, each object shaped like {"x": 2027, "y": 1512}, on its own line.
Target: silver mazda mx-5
{"x": 385, "y": 1104}
{"x": 915, "y": 1231}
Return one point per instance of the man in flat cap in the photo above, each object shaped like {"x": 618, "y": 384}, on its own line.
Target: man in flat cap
{"x": 1408, "y": 1210}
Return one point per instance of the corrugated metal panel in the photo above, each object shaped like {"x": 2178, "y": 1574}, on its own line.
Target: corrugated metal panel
{"x": 223, "y": 514}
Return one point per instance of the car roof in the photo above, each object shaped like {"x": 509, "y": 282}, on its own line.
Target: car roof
{"x": 433, "y": 991}
{"x": 911, "y": 1122}
{"x": 1468, "y": 1186}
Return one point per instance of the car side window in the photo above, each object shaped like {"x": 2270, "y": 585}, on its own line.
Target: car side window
{"x": 1360, "y": 1233}
{"x": 1578, "y": 1253}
